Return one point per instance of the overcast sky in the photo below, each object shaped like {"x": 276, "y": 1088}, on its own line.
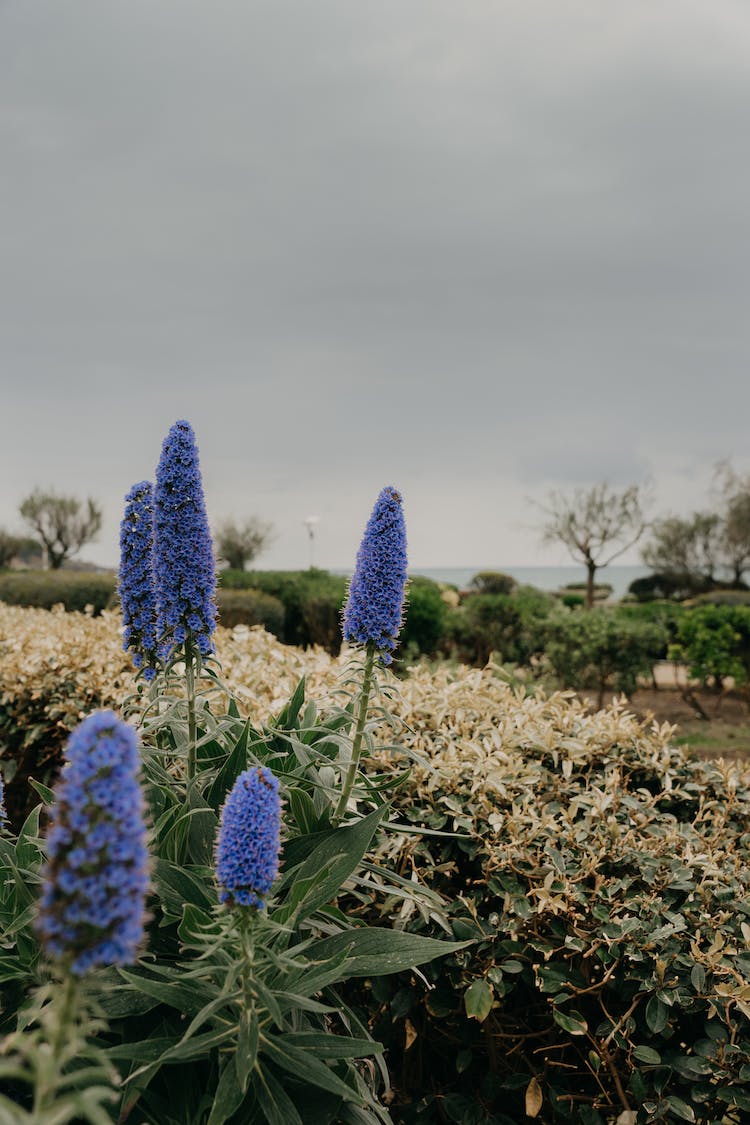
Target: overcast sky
{"x": 477, "y": 250}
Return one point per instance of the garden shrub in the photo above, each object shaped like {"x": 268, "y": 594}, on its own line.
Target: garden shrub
{"x": 508, "y": 627}
{"x": 250, "y": 607}
{"x": 605, "y": 878}
{"x": 73, "y": 589}
{"x": 666, "y": 614}
{"x": 723, "y": 596}
{"x": 492, "y": 582}
{"x": 667, "y": 585}
{"x": 601, "y": 648}
{"x": 426, "y": 616}
{"x": 312, "y": 600}
{"x": 715, "y": 643}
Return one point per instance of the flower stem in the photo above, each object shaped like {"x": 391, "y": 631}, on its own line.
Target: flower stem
{"x": 363, "y": 702}
{"x": 190, "y": 692}
{"x": 64, "y": 1009}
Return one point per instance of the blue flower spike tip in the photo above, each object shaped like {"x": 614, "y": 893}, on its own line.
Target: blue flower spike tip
{"x": 247, "y": 852}
{"x": 94, "y": 885}
{"x": 374, "y": 609}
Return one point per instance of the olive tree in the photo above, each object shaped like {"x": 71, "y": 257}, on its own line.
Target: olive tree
{"x": 597, "y": 525}
{"x": 690, "y": 548}
{"x": 238, "y": 544}
{"x": 63, "y": 524}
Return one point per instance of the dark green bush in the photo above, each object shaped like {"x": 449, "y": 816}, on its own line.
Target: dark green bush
{"x": 666, "y": 614}
{"x": 74, "y": 589}
{"x": 602, "y": 648}
{"x": 425, "y": 620}
{"x": 508, "y": 626}
{"x": 492, "y": 582}
{"x": 312, "y": 599}
{"x": 251, "y": 607}
{"x": 605, "y": 879}
{"x": 660, "y": 586}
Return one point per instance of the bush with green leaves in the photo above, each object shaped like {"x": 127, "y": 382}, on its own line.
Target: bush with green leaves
{"x": 312, "y": 599}
{"x": 426, "y": 617}
{"x": 506, "y": 627}
{"x": 492, "y": 582}
{"x": 76, "y": 590}
{"x": 604, "y": 877}
{"x": 601, "y": 649}
{"x": 714, "y": 641}
{"x": 250, "y": 607}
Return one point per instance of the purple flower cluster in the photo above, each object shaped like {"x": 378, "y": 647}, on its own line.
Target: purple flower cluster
{"x": 136, "y": 578}
{"x": 373, "y": 610}
{"x": 183, "y": 551}
{"x": 95, "y": 882}
{"x": 247, "y": 853}
{"x": 3, "y": 814}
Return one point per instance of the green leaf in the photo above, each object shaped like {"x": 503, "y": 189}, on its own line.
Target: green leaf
{"x": 275, "y": 1103}
{"x": 233, "y": 766}
{"x": 247, "y": 1047}
{"x": 572, "y": 1022}
{"x": 698, "y": 978}
{"x": 287, "y": 718}
{"x": 329, "y": 1046}
{"x": 330, "y": 865}
{"x": 228, "y": 1097}
{"x": 306, "y": 1067}
{"x": 657, "y": 1015}
{"x": 47, "y": 794}
{"x": 647, "y": 1055}
{"x": 371, "y": 951}
{"x": 303, "y": 810}
{"x": 680, "y": 1108}
{"x": 478, "y": 1000}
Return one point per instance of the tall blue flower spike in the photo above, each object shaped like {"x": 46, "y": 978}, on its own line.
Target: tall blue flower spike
{"x": 374, "y": 608}
{"x": 183, "y": 551}
{"x": 247, "y": 852}
{"x": 136, "y": 578}
{"x": 94, "y": 885}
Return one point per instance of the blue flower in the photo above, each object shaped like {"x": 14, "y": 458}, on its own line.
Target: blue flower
{"x": 247, "y": 852}
{"x": 95, "y": 882}
{"x": 136, "y": 578}
{"x": 373, "y": 611}
{"x": 183, "y": 551}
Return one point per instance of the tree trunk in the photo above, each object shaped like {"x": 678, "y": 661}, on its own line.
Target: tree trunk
{"x": 590, "y": 573}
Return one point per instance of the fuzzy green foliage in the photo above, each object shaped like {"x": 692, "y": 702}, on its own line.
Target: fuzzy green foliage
{"x": 251, "y": 607}
{"x": 76, "y": 590}
{"x": 492, "y": 582}
{"x": 312, "y": 600}
{"x": 601, "y": 649}
{"x": 426, "y": 615}
{"x": 605, "y": 879}
{"x": 715, "y": 643}
{"x": 508, "y": 627}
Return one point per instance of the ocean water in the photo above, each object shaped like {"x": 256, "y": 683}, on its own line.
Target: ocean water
{"x": 545, "y": 577}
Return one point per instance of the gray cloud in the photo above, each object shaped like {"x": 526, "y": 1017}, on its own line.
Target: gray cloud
{"x": 476, "y": 249}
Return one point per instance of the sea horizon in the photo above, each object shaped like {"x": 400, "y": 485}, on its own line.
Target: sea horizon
{"x": 544, "y": 577}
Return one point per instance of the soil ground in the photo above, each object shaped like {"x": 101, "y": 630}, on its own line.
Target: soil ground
{"x": 726, "y": 732}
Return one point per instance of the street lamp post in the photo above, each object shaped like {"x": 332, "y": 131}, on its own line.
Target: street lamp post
{"x": 311, "y": 522}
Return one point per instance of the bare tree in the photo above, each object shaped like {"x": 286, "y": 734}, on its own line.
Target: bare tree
{"x": 691, "y": 549}
{"x": 238, "y": 544}
{"x": 734, "y": 493}
{"x": 597, "y": 525}
{"x": 63, "y": 524}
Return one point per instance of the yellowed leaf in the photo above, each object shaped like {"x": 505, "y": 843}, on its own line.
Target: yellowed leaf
{"x": 534, "y": 1098}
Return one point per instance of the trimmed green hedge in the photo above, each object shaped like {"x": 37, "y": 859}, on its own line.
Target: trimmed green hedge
{"x": 74, "y": 589}
{"x": 250, "y": 607}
